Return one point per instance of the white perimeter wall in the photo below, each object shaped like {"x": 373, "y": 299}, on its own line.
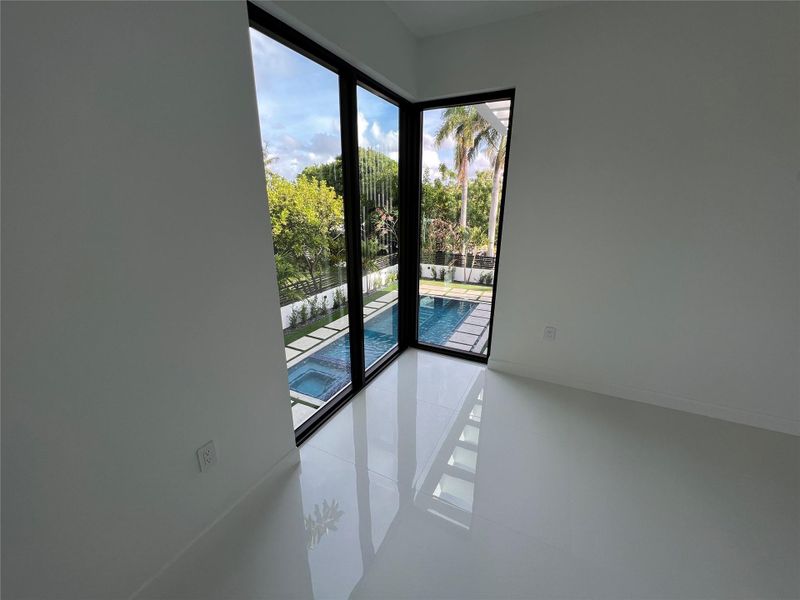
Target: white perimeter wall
{"x": 140, "y": 306}
{"x": 652, "y": 209}
{"x": 376, "y": 280}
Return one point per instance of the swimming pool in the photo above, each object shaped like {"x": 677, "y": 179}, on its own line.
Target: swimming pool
{"x": 327, "y": 370}
{"x": 440, "y": 317}
{"x": 323, "y": 374}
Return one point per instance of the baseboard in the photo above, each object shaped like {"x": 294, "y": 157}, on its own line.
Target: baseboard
{"x": 287, "y": 461}
{"x": 735, "y": 415}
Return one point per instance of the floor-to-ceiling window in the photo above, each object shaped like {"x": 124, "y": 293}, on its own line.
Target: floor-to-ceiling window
{"x": 299, "y": 112}
{"x": 463, "y": 154}
{"x": 341, "y": 152}
{"x": 331, "y": 141}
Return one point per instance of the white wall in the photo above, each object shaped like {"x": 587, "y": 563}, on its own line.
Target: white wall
{"x": 652, "y": 208}
{"x": 140, "y": 308}
{"x": 366, "y": 34}
{"x": 371, "y": 281}
{"x": 459, "y": 274}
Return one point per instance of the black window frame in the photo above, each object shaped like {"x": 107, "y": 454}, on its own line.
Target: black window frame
{"x": 447, "y": 102}
{"x": 409, "y": 199}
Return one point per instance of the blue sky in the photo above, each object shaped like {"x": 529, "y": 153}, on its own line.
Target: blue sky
{"x": 298, "y": 107}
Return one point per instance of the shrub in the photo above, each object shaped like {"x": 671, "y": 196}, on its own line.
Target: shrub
{"x": 339, "y": 299}
{"x": 486, "y": 278}
{"x": 303, "y": 313}
{"x": 294, "y": 318}
{"x": 313, "y": 308}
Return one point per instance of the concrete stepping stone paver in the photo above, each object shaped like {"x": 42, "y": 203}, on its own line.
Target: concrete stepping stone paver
{"x": 300, "y": 413}
{"x": 340, "y": 323}
{"x": 464, "y": 338}
{"x": 473, "y": 329}
{"x": 483, "y": 341}
{"x": 291, "y": 353}
{"x": 389, "y": 297}
{"x": 322, "y": 333}
{"x": 480, "y": 321}
{"x": 304, "y": 343}
{"x": 368, "y": 311}
{"x": 376, "y": 304}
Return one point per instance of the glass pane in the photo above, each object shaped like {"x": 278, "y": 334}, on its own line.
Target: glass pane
{"x": 463, "y": 161}
{"x": 298, "y": 106}
{"x": 378, "y": 127}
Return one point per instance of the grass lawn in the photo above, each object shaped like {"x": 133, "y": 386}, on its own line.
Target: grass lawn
{"x": 461, "y": 286}
{"x": 295, "y": 334}
{"x": 375, "y": 294}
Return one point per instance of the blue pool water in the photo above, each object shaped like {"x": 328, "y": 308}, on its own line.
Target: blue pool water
{"x": 327, "y": 370}
{"x": 440, "y": 317}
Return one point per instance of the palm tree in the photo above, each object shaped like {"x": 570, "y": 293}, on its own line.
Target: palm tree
{"x": 463, "y": 124}
{"x": 496, "y": 151}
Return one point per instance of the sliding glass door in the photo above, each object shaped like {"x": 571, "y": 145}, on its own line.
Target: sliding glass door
{"x": 464, "y": 149}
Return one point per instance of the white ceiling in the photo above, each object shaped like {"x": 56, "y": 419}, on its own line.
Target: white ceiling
{"x": 434, "y": 17}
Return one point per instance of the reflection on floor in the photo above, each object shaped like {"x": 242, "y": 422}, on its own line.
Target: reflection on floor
{"x": 444, "y": 480}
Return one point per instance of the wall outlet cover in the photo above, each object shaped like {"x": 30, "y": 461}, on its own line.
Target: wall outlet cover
{"x": 549, "y": 333}
{"x": 207, "y": 456}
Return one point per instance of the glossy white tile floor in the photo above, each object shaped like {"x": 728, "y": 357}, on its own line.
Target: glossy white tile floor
{"x": 445, "y": 480}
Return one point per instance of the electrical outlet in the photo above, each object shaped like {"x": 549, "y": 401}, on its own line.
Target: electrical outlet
{"x": 549, "y": 333}
{"x": 207, "y": 456}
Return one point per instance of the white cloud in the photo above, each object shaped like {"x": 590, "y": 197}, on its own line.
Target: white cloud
{"x": 373, "y": 136}
{"x": 390, "y": 141}
{"x": 362, "y": 128}
{"x": 288, "y": 142}
{"x": 322, "y": 143}
{"x": 430, "y": 160}
{"x": 322, "y": 124}
{"x": 481, "y": 163}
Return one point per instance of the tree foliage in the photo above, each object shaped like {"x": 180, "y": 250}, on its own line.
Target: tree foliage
{"x": 307, "y": 221}
{"x": 441, "y": 200}
{"x": 307, "y": 214}
{"x": 378, "y": 175}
